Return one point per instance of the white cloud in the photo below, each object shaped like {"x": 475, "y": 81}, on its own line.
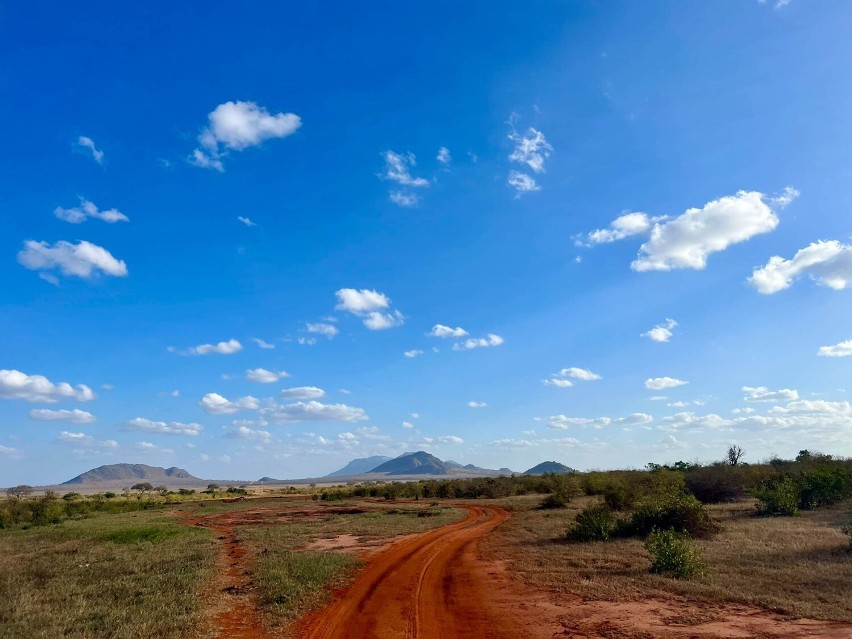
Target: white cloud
{"x": 522, "y": 182}
{"x": 171, "y": 428}
{"x": 215, "y": 404}
{"x": 82, "y": 259}
{"x": 377, "y": 321}
{"x": 563, "y": 422}
{"x": 408, "y": 425}
{"x": 473, "y": 404}
{"x": 687, "y": 240}
{"x": 763, "y": 394}
{"x": 398, "y": 169}
{"x": 843, "y": 349}
{"x": 88, "y": 143}
{"x": 625, "y": 225}
{"x": 262, "y": 344}
{"x": 313, "y": 411}
{"x": 531, "y": 148}
{"x": 827, "y": 263}
{"x": 246, "y": 220}
{"x": 439, "y": 330}
{"x": 662, "y": 383}
{"x": 87, "y": 209}
{"x": 413, "y": 353}
{"x": 560, "y": 379}
{"x": 10, "y": 453}
{"x": 221, "y": 348}
{"x": 306, "y": 341}
{"x": 444, "y": 156}
{"x": 558, "y": 382}
{"x": 450, "y": 439}
{"x": 360, "y": 301}
{"x": 481, "y": 342}
{"x": 235, "y": 126}
{"x": 245, "y": 432}
{"x": 778, "y": 4}
{"x": 404, "y": 199}
{"x": 329, "y": 330}
{"x": 691, "y": 420}
{"x": 303, "y": 392}
{"x": 263, "y": 376}
{"x": 82, "y": 440}
{"x": 37, "y": 388}
{"x": 75, "y": 416}
{"x": 661, "y": 332}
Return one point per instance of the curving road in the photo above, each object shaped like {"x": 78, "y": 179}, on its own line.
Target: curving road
{"x": 426, "y": 587}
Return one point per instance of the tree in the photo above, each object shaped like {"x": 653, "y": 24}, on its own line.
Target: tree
{"x": 19, "y": 492}
{"x": 212, "y": 487}
{"x": 142, "y": 487}
{"x": 735, "y": 454}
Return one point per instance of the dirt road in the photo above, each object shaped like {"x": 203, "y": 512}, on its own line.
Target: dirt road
{"x": 426, "y": 587}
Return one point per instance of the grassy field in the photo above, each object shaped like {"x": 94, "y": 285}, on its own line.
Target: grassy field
{"x": 122, "y": 576}
{"x": 800, "y": 566}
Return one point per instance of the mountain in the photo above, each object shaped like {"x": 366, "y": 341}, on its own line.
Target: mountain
{"x": 419, "y": 463}
{"x": 550, "y": 467}
{"x": 130, "y": 472}
{"x": 360, "y": 466}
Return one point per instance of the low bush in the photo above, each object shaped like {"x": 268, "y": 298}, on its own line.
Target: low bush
{"x": 564, "y": 488}
{"x": 681, "y": 513}
{"x": 619, "y": 497}
{"x": 716, "y": 484}
{"x": 671, "y": 554}
{"x": 779, "y": 497}
{"x": 593, "y": 523}
{"x": 823, "y": 487}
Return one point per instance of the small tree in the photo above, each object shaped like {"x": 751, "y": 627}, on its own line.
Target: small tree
{"x": 212, "y": 487}
{"x": 19, "y": 492}
{"x": 142, "y": 487}
{"x": 735, "y": 454}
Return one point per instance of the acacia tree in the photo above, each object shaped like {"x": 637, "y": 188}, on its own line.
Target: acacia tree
{"x": 142, "y": 487}
{"x": 19, "y": 492}
{"x": 735, "y": 454}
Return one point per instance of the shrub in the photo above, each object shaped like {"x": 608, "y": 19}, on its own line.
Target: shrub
{"x": 780, "y": 497}
{"x": 681, "y": 513}
{"x": 109, "y": 495}
{"x": 716, "y": 484}
{"x": 672, "y": 555}
{"x": 823, "y": 487}
{"x": 564, "y": 488}
{"x": 619, "y": 497}
{"x": 593, "y": 523}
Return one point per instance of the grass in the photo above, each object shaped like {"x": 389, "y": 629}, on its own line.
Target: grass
{"x": 117, "y": 576}
{"x": 799, "y": 566}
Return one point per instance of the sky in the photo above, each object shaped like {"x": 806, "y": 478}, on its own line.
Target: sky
{"x": 264, "y": 240}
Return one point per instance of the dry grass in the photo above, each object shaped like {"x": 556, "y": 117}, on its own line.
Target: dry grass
{"x": 800, "y": 566}
{"x": 124, "y": 576}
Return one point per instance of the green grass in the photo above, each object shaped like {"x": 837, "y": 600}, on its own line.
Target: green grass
{"x": 116, "y": 576}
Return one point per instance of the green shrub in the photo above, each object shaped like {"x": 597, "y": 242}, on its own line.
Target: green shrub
{"x": 779, "y": 497}
{"x": 671, "y": 554}
{"x": 564, "y": 488}
{"x": 716, "y": 484}
{"x": 619, "y": 497}
{"x": 823, "y": 487}
{"x": 593, "y": 523}
{"x": 681, "y": 513}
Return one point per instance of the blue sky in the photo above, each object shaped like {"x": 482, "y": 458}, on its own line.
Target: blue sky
{"x": 630, "y": 196}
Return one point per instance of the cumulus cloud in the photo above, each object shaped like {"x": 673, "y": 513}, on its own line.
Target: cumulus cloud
{"x": 220, "y": 348}
{"x": 303, "y": 392}
{"x": 36, "y": 388}
{"x": 235, "y": 126}
{"x": 398, "y": 169}
{"x": 560, "y": 379}
{"x": 689, "y": 239}
{"x": 263, "y": 376}
{"x": 88, "y": 143}
{"x": 626, "y": 225}
{"x": 480, "y": 342}
{"x": 262, "y": 344}
{"x": 246, "y": 432}
{"x": 439, "y": 330}
{"x": 83, "y": 259}
{"x": 413, "y": 353}
{"x": 215, "y": 404}
{"x": 84, "y": 441}
{"x": 407, "y": 425}
{"x": 473, "y": 404}
{"x": 368, "y": 305}
{"x": 826, "y": 263}
{"x": 450, "y": 439}
{"x": 313, "y": 411}
{"x": 444, "y": 156}
{"x": 143, "y": 425}
{"x": 246, "y": 220}
{"x": 661, "y": 332}
{"x": 564, "y": 422}
{"x": 321, "y": 328}
{"x": 75, "y": 416}
{"x": 662, "y": 383}
{"x": 87, "y": 209}
{"x": 522, "y": 182}
{"x": 843, "y": 349}
{"x": 763, "y": 394}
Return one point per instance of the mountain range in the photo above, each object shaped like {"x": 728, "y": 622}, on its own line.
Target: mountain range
{"x": 130, "y": 472}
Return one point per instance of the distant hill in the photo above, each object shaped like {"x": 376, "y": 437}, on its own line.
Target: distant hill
{"x": 130, "y": 472}
{"x": 360, "y": 466}
{"x": 550, "y": 467}
{"x": 419, "y": 463}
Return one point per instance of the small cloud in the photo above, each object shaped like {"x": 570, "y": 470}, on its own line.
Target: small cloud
{"x": 401, "y": 198}
{"x": 843, "y": 349}
{"x": 413, "y": 353}
{"x": 141, "y": 424}
{"x": 246, "y": 220}
{"x": 522, "y": 182}
{"x": 450, "y": 439}
{"x": 560, "y": 379}
{"x": 83, "y": 259}
{"x": 303, "y": 392}
{"x": 321, "y": 328}
{"x": 662, "y": 383}
{"x": 75, "y": 416}
{"x": 398, "y": 169}
{"x": 215, "y": 404}
{"x": 481, "y": 342}
{"x": 661, "y": 332}
{"x": 439, "y": 330}
{"x": 444, "y": 156}
{"x": 408, "y": 425}
{"x": 263, "y": 376}
{"x": 221, "y": 348}
{"x": 88, "y": 143}
{"x": 473, "y": 404}
{"x": 262, "y": 344}
{"x": 763, "y": 394}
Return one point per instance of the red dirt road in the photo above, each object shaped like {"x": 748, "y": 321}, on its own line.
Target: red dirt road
{"x": 426, "y": 587}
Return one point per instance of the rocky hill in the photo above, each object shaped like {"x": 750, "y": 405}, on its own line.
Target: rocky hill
{"x": 550, "y": 467}
{"x": 419, "y": 463}
{"x": 130, "y": 472}
{"x": 360, "y": 466}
